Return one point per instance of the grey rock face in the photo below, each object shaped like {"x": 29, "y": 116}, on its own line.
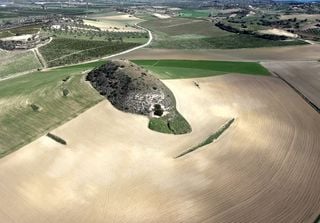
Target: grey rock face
{"x": 132, "y": 89}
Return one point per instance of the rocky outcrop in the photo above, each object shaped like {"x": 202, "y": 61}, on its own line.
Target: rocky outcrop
{"x": 132, "y": 89}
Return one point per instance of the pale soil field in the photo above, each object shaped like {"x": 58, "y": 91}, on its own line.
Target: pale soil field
{"x": 305, "y": 76}
{"x": 294, "y": 53}
{"x": 279, "y": 32}
{"x": 116, "y": 23}
{"x": 9, "y": 59}
{"x": 161, "y": 16}
{"x": 264, "y": 168}
{"x": 301, "y": 16}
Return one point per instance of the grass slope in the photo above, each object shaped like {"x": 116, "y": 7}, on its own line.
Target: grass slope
{"x": 199, "y": 68}
{"x": 174, "y": 124}
{"x": 17, "y": 61}
{"x": 33, "y": 104}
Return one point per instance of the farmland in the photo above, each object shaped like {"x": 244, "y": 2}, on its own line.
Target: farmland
{"x": 8, "y": 64}
{"x": 302, "y": 75}
{"x": 224, "y": 128}
{"x": 63, "y": 51}
{"x": 197, "y": 68}
{"x": 42, "y": 101}
{"x": 182, "y": 33}
{"x": 257, "y": 162}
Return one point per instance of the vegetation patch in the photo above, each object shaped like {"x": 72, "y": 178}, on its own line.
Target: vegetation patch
{"x": 199, "y": 68}
{"x": 57, "y": 138}
{"x": 208, "y": 140}
{"x": 170, "y": 124}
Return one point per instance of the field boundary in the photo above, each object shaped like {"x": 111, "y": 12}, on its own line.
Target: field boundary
{"x": 305, "y": 98}
{"x": 210, "y": 139}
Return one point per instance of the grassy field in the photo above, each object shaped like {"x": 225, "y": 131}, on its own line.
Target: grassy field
{"x": 173, "y": 124}
{"x": 167, "y": 69}
{"x": 31, "y": 29}
{"x": 17, "y": 61}
{"x": 63, "y": 51}
{"x": 192, "y": 13}
{"x": 184, "y": 33}
{"x": 33, "y": 104}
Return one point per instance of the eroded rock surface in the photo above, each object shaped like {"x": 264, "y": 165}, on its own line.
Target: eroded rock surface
{"x": 131, "y": 88}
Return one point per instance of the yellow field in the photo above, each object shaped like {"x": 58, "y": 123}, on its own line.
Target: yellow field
{"x": 264, "y": 168}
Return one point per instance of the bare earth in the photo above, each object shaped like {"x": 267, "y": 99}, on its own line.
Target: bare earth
{"x": 295, "y": 53}
{"x": 305, "y": 76}
{"x": 264, "y": 168}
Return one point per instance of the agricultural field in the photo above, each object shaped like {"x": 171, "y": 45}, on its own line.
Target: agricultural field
{"x": 168, "y": 69}
{"x": 42, "y": 101}
{"x": 61, "y": 51}
{"x": 268, "y": 157}
{"x": 193, "y": 13}
{"x": 182, "y": 33}
{"x": 293, "y": 53}
{"x": 8, "y": 64}
{"x": 302, "y": 75}
{"x": 115, "y": 23}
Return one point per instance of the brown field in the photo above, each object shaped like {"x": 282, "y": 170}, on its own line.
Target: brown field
{"x": 304, "y": 76}
{"x": 311, "y": 17}
{"x": 294, "y": 53}
{"x": 264, "y": 168}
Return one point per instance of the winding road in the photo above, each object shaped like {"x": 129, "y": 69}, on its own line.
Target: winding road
{"x": 88, "y": 61}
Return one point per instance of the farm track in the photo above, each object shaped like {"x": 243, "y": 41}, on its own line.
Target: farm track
{"x": 265, "y": 168}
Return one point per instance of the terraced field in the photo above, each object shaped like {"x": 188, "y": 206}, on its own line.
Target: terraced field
{"x": 37, "y": 102}
{"x": 9, "y": 60}
{"x": 264, "y": 168}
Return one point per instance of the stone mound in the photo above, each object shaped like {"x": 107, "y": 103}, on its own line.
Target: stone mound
{"x": 132, "y": 89}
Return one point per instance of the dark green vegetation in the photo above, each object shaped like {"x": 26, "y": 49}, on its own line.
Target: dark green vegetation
{"x": 171, "y": 124}
{"x": 63, "y": 51}
{"x": 208, "y": 140}
{"x": 199, "y": 68}
{"x": 183, "y": 33}
{"x": 57, "y": 138}
{"x": 35, "y": 103}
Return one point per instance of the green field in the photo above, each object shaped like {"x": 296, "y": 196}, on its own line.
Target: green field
{"x": 167, "y": 69}
{"x": 33, "y": 104}
{"x": 63, "y": 51}
{"x": 184, "y": 33}
{"x": 192, "y": 13}
{"x": 17, "y": 61}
